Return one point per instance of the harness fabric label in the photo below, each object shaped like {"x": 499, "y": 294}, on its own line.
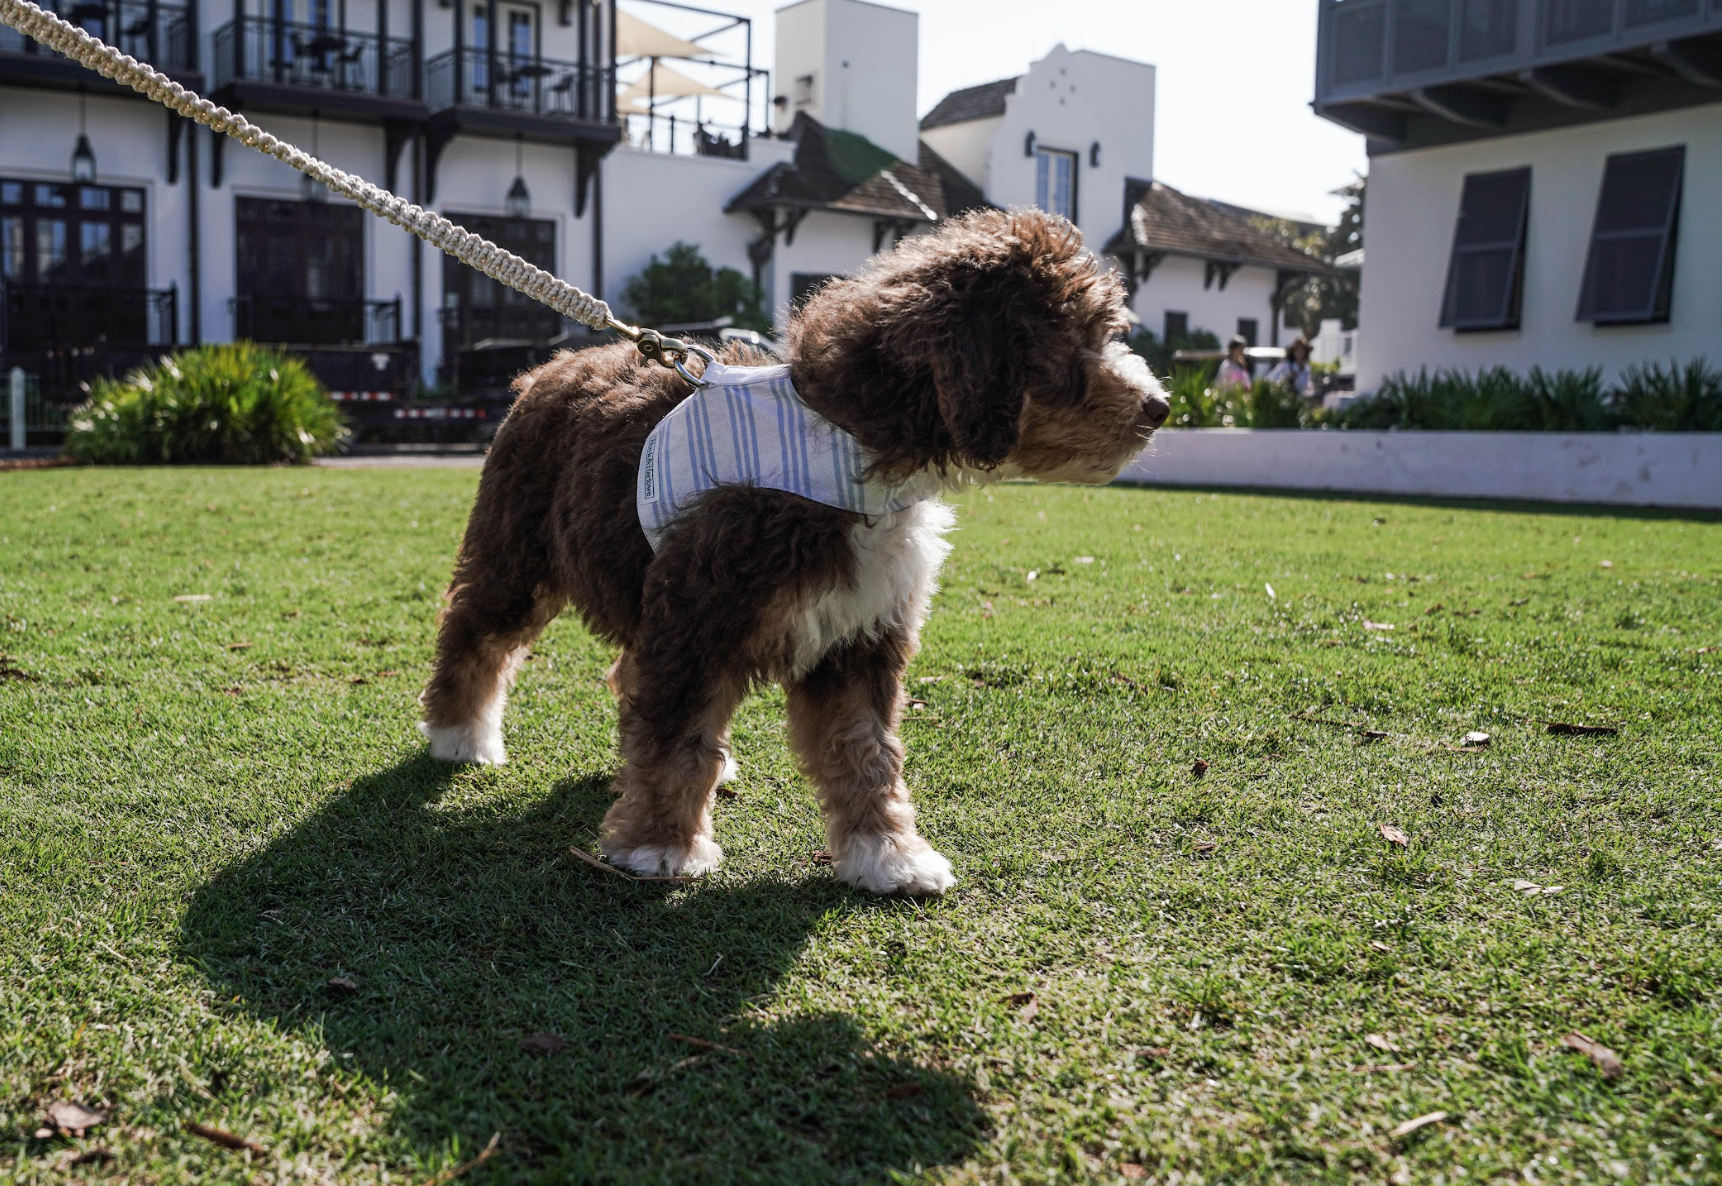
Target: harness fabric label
{"x": 649, "y": 470}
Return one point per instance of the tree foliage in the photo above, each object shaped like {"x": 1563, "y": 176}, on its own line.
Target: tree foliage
{"x": 683, "y": 288}
{"x": 1324, "y": 298}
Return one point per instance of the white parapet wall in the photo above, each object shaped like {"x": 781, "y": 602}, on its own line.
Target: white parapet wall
{"x": 1608, "y": 469}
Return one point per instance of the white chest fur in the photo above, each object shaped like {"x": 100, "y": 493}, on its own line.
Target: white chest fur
{"x": 897, "y": 559}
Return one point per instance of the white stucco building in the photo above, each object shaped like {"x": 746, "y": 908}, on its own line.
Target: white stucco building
{"x": 1075, "y": 134}
{"x": 1542, "y": 175}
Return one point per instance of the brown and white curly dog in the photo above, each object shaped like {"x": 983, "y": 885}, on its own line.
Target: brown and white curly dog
{"x": 986, "y": 349}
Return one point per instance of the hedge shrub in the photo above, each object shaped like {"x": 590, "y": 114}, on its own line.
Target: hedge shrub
{"x": 237, "y": 404}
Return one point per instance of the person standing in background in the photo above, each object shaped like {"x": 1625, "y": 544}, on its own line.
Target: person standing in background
{"x": 1294, "y": 370}
{"x": 1235, "y": 369}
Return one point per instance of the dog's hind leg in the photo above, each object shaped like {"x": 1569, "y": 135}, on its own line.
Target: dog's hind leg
{"x": 482, "y": 640}
{"x": 843, "y": 718}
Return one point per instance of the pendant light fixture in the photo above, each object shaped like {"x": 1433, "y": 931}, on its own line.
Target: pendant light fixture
{"x": 83, "y": 156}
{"x": 518, "y": 202}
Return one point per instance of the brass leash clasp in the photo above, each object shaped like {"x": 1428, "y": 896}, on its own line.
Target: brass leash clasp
{"x": 666, "y": 352}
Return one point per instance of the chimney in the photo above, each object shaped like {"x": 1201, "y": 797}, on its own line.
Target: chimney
{"x": 850, "y": 65}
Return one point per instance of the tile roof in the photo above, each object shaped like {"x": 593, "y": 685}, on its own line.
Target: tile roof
{"x": 1172, "y": 223}
{"x": 841, "y": 171}
{"x": 975, "y": 102}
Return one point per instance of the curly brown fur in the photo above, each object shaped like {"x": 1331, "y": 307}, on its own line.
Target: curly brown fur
{"x": 986, "y": 347}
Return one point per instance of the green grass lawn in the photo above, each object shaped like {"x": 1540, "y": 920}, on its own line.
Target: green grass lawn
{"x": 211, "y": 809}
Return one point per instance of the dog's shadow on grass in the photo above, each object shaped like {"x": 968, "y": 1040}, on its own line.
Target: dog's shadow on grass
{"x": 463, "y": 933}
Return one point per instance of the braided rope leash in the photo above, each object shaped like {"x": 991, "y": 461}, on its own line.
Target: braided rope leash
{"x": 473, "y": 250}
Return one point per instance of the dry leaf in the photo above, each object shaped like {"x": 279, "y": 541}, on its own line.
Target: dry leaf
{"x": 543, "y": 1042}
{"x": 1526, "y": 887}
{"x": 1606, "y": 1060}
{"x": 593, "y": 861}
{"x": 1372, "y": 1068}
{"x": 1018, "y": 998}
{"x": 1476, "y": 738}
{"x": 1708, "y": 650}
{"x": 1378, "y": 945}
{"x": 1375, "y": 734}
{"x": 1411, "y": 1126}
{"x": 726, "y": 791}
{"x": 1133, "y": 1171}
{"x": 1033, "y": 574}
{"x": 222, "y": 1137}
{"x": 1393, "y": 835}
{"x": 42, "y": 1134}
{"x": 358, "y": 679}
{"x": 1382, "y": 1042}
{"x": 74, "y": 1117}
{"x": 822, "y": 858}
{"x": 1561, "y": 728}
{"x": 464, "y": 1167}
{"x": 1272, "y": 596}
{"x": 916, "y": 704}
{"x": 240, "y": 646}
{"x": 195, "y": 597}
{"x": 1368, "y": 625}
{"x": 1206, "y": 845}
{"x": 1156, "y": 1051}
{"x": 1434, "y": 609}
{"x": 1083, "y": 560}
{"x": 1199, "y": 767}
{"x": 905, "y": 1091}
{"x": 341, "y": 986}
{"x": 1605, "y": 564}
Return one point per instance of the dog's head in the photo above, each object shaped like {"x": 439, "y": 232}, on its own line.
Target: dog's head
{"x": 992, "y": 344}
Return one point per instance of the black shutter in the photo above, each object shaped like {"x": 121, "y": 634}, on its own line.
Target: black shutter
{"x": 1629, "y": 275}
{"x": 1177, "y": 327}
{"x": 1485, "y": 276}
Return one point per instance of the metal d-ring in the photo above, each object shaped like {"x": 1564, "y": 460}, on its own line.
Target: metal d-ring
{"x": 668, "y": 352}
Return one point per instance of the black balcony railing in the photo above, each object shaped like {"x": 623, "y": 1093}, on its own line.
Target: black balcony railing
{"x": 159, "y": 34}
{"x": 313, "y": 56}
{"x": 531, "y": 86}
{"x": 1372, "y": 47}
{"x": 43, "y": 316}
{"x": 297, "y": 321}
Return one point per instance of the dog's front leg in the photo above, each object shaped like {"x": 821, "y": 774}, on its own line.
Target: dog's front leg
{"x": 843, "y": 718}
{"x": 675, "y": 730}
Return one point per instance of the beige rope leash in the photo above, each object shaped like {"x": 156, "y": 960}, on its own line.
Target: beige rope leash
{"x": 473, "y": 250}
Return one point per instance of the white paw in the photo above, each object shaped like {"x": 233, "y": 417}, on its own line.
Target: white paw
{"x": 656, "y": 860}
{"x": 882, "y": 865}
{"x": 730, "y": 769}
{"x": 477, "y": 744}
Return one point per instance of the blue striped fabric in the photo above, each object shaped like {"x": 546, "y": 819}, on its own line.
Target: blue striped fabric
{"x": 748, "y": 427}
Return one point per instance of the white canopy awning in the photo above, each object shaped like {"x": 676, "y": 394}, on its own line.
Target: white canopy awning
{"x": 660, "y": 82}
{"x": 637, "y": 39}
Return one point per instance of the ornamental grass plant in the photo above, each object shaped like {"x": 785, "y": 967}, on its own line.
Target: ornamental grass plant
{"x": 235, "y": 404}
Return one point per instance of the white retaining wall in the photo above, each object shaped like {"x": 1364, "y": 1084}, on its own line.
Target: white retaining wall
{"x": 1618, "y": 469}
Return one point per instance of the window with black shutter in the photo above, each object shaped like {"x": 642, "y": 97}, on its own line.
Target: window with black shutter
{"x": 1485, "y": 277}
{"x": 1177, "y": 327}
{"x": 1629, "y": 274}
{"x": 1247, "y": 329}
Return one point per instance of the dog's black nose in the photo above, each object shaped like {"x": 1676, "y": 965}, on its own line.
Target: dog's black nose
{"x": 1155, "y": 409}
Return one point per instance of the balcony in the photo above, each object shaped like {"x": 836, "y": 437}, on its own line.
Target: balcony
{"x": 69, "y": 335}
{"x": 297, "y": 321}
{"x": 263, "y": 64}
{"x": 1409, "y": 73}
{"x": 477, "y": 92}
{"x": 160, "y": 34}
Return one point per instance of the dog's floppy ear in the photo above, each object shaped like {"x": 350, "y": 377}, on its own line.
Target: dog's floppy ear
{"x": 980, "y": 379}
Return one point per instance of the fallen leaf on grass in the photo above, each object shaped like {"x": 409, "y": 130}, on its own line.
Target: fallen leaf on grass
{"x": 1027, "y": 1006}
{"x": 1368, "y": 625}
{"x": 1375, "y": 734}
{"x": 1563, "y": 729}
{"x": 916, "y": 704}
{"x": 1393, "y": 835}
{"x": 240, "y": 646}
{"x": 357, "y": 679}
{"x": 1382, "y": 1068}
{"x": 1205, "y": 845}
{"x": 1083, "y": 560}
{"x": 1272, "y": 596}
{"x": 1605, "y": 564}
{"x": 822, "y": 858}
{"x": 545, "y": 1043}
{"x": 1708, "y": 650}
{"x": 1606, "y": 1060}
{"x": 702, "y": 1043}
{"x": 341, "y": 986}
{"x": 1199, "y": 767}
{"x": 1381, "y": 1042}
{"x": 220, "y": 1136}
{"x": 1411, "y": 1126}
{"x": 725, "y": 791}
{"x": 1156, "y": 1051}
{"x": 905, "y": 1091}
{"x": 1033, "y": 575}
{"x": 1378, "y": 945}
{"x": 1133, "y": 1171}
{"x": 73, "y": 1118}
{"x": 1434, "y": 609}
{"x": 1476, "y": 738}
{"x": 195, "y": 597}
